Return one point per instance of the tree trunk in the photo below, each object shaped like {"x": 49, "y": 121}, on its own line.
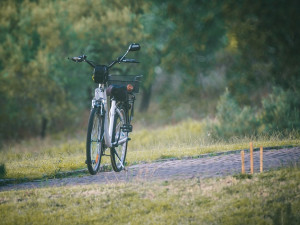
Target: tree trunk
{"x": 44, "y": 127}
{"x": 146, "y": 96}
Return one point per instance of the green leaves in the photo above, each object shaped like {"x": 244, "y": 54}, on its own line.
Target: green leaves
{"x": 281, "y": 111}
{"x": 36, "y": 38}
{"x": 191, "y": 50}
{"x": 279, "y": 114}
{"x": 233, "y": 120}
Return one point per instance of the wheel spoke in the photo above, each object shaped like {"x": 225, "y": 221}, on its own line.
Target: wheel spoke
{"x": 94, "y": 144}
{"x": 118, "y": 153}
{"x": 120, "y": 161}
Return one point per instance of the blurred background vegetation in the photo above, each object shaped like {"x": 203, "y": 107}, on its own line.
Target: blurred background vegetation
{"x": 234, "y": 64}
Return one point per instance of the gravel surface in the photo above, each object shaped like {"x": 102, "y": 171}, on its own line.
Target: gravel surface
{"x": 202, "y": 167}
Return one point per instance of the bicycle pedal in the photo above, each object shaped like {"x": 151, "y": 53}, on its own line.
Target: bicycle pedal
{"x": 126, "y": 128}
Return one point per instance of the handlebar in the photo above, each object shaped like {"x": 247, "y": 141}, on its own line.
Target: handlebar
{"x": 132, "y": 47}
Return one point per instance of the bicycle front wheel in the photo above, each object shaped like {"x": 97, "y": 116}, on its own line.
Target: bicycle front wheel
{"x": 94, "y": 142}
{"x": 118, "y": 154}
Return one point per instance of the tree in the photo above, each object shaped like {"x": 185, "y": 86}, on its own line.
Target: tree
{"x": 38, "y": 85}
{"x": 183, "y": 38}
{"x": 267, "y": 42}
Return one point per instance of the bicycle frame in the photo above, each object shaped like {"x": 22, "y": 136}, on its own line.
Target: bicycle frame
{"x": 108, "y": 117}
{"x": 109, "y": 122}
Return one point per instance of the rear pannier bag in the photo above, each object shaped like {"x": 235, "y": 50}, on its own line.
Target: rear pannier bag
{"x": 100, "y": 74}
{"x": 119, "y": 92}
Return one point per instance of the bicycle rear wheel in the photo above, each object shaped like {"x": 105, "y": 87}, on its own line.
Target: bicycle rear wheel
{"x": 94, "y": 142}
{"x": 118, "y": 154}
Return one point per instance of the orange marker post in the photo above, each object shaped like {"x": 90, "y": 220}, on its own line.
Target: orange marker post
{"x": 261, "y": 158}
{"x": 251, "y": 157}
{"x": 243, "y": 161}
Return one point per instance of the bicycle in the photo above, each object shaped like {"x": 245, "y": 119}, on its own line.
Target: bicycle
{"x": 110, "y": 119}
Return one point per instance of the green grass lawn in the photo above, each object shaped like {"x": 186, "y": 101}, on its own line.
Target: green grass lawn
{"x": 268, "y": 198}
{"x": 36, "y": 158}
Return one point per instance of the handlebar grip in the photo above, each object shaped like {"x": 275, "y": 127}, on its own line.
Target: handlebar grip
{"x": 130, "y": 61}
{"x": 134, "y": 47}
{"x": 78, "y": 59}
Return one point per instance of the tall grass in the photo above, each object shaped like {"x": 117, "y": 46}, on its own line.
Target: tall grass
{"x": 36, "y": 158}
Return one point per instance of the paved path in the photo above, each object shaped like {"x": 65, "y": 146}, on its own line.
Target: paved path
{"x": 203, "y": 167}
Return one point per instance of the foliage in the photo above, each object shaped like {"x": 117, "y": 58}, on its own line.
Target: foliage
{"x": 30, "y": 91}
{"x": 36, "y": 37}
{"x": 266, "y": 44}
{"x": 191, "y": 50}
{"x": 267, "y": 198}
{"x": 279, "y": 113}
{"x": 2, "y": 170}
{"x": 232, "y": 120}
{"x": 193, "y": 32}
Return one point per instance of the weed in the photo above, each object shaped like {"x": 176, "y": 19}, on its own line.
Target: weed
{"x": 2, "y": 170}
{"x": 242, "y": 176}
{"x": 165, "y": 183}
{"x": 166, "y": 157}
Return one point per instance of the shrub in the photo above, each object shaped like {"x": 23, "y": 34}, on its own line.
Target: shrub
{"x": 232, "y": 120}
{"x": 2, "y": 170}
{"x": 279, "y": 114}
{"x": 280, "y": 111}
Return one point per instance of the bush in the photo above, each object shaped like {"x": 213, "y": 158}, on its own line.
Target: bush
{"x": 232, "y": 120}
{"x": 279, "y": 114}
{"x": 2, "y": 170}
{"x": 280, "y": 111}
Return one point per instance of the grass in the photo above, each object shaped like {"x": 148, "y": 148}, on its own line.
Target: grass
{"x": 36, "y": 158}
{"x": 267, "y": 198}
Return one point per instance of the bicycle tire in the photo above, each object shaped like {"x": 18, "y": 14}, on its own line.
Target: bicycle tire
{"x": 94, "y": 144}
{"x": 121, "y": 150}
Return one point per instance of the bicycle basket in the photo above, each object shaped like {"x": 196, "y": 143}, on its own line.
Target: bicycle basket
{"x": 134, "y": 80}
{"x": 100, "y": 74}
